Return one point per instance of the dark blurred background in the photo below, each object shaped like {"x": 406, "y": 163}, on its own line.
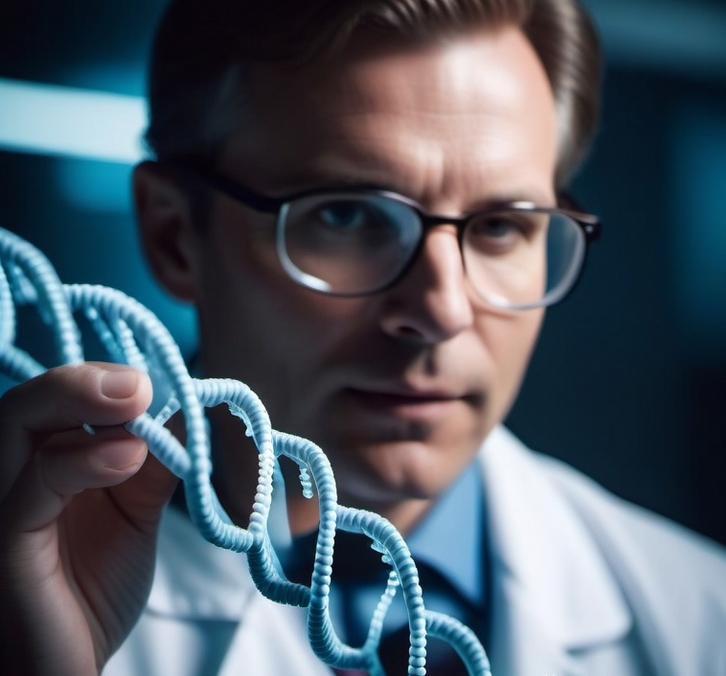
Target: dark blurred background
{"x": 629, "y": 380}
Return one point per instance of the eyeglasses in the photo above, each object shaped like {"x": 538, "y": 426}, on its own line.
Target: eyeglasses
{"x": 361, "y": 241}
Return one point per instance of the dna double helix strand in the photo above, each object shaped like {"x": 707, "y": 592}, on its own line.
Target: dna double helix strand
{"x": 131, "y": 334}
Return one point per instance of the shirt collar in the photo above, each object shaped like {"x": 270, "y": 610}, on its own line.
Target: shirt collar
{"x": 451, "y": 537}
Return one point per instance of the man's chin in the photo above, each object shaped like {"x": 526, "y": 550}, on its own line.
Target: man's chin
{"x": 395, "y": 471}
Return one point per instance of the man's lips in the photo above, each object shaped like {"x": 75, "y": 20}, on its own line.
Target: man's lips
{"x": 400, "y": 398}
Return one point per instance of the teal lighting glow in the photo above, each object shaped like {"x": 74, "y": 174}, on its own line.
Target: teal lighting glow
{"x": 64, "y": 121}
{"x": 675, "y": 36}
{"x": 699, "y": 186}
{"x": 100, "y": 187}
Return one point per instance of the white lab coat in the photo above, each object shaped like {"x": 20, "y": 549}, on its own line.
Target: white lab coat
{"x": 584, "y": 584}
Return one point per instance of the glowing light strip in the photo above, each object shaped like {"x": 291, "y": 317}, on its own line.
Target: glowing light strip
{"x": 54, "y": 120}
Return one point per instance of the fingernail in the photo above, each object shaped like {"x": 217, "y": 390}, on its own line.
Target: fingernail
{"x": 119, "y": 384}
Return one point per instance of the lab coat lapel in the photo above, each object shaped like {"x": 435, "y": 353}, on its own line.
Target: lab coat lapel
{"x": 195, "y": 580}
{"x": 552, "y": 596}
{"x": 199, "y": 582}
{"x": 520, "y": 644}
{"x": 251, "y": 651}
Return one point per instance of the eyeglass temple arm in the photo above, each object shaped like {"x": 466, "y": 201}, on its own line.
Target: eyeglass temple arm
{"x": 234, "y": 190}
{"x": 590, "y": 224}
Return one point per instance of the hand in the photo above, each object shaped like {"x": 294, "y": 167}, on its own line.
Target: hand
{"x": 79, "y": 513}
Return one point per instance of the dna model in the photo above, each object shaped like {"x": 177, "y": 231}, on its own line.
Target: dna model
{"x": 131, "y": 334}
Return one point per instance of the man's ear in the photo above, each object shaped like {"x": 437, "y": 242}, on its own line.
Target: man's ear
{"x": 168, "y": 236}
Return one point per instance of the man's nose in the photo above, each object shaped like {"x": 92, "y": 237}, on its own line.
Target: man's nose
{"x": 432, "y": 302}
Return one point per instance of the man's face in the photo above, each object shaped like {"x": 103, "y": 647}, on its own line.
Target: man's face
{"x": 399, "y": 388}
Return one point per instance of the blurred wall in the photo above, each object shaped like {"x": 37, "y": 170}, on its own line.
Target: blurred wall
{"x": 629, "y": 380}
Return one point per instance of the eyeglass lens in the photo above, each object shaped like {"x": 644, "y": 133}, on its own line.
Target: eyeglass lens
{"x": 519, "y": 259}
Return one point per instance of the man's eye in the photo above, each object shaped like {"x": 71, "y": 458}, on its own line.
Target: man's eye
{"x": 497, "y": 227}
{"x": 501, "y": 234}
{"x": 346, "y": 215}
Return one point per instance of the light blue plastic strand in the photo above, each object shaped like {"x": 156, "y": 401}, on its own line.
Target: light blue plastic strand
{"x": 133, "y": 335}
{"x": 388, "y": 540}
{"x": 21, "y": 256}
{"x": 462, "y": 639}
{"x": 7, "y": 311}
{"x": 18, "y": 365}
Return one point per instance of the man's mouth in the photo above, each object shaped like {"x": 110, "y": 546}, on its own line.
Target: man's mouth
{"x": 403, "y": 400}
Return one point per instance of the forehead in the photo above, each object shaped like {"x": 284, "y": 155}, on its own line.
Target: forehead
{"x": 398, "y": 114}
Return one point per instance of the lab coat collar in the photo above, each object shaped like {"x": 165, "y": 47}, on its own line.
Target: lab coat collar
{"x": 552, "y": 594}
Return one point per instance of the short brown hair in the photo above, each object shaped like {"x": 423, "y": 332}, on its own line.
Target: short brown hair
{"x": 201, "y": 48}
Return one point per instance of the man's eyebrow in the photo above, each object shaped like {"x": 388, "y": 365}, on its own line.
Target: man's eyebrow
{"x": 537, "y": 197}
{"x": 334, "y": 179}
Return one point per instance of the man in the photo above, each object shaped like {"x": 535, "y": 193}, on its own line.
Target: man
{"x": 384, "y": 306}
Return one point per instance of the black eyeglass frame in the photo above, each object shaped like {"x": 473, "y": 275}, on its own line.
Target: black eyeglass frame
{"x": 588, "y": 223}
